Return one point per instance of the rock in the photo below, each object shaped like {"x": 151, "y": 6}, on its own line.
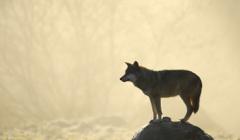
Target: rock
{"x": 166, "y": 129}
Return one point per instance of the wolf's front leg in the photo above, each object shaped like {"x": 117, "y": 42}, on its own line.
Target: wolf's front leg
{"x": 159, "y": 108}
{"x": 154, "y": 109}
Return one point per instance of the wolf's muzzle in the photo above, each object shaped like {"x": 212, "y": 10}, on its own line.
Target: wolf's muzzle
{"x": 123, "y": 79}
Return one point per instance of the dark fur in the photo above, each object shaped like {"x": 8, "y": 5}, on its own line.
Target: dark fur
{"x": 167, "y": 83}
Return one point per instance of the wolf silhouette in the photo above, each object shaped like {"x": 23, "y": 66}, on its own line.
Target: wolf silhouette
{"x": 166, "y": 83}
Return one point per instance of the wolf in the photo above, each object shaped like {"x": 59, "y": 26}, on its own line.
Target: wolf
{"x": 165, "y": 83}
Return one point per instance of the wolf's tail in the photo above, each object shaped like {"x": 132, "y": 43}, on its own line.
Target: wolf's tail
{"x": 196, "y": 97}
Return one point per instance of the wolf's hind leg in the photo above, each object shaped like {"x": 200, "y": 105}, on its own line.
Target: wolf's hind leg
{"x": 159, "y": 109}
{"x": 154, "y": 109}
{"x": 187, "y": 102}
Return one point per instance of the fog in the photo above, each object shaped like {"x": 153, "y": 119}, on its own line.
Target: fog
{"x": 60, "y": 64}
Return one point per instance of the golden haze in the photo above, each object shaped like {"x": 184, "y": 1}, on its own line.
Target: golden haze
{"x": 61, "y": 61}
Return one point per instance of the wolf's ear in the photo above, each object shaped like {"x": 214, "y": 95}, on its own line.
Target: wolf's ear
{"x": 128, "y": 64}
{"x": 135, "y": 64}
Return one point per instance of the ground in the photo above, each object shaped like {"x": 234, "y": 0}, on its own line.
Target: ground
{"x": 111, "y": 128}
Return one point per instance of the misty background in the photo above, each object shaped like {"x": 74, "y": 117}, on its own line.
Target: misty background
{"x": 63, "y": 59}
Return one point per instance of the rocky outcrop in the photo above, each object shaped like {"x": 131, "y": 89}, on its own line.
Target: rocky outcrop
{"x": 169, "y": 130}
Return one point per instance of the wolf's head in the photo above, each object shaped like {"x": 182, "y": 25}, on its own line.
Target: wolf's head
{"x": 131, "y": 73}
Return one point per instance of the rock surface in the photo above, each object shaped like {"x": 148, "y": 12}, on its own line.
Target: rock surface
{"x": 168, "y": 130}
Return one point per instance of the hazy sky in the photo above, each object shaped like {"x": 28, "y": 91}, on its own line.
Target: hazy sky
{"x": 63, "y": 59}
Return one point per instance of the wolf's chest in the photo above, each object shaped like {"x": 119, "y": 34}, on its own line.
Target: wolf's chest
{"x": 150, "y": 92}
{"x": 147, "y": 92}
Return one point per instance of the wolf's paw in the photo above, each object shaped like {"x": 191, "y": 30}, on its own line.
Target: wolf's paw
{"x": 155, "y": 121}
{"x": 151, "y": 121}
{"x": 183, "y": 121}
